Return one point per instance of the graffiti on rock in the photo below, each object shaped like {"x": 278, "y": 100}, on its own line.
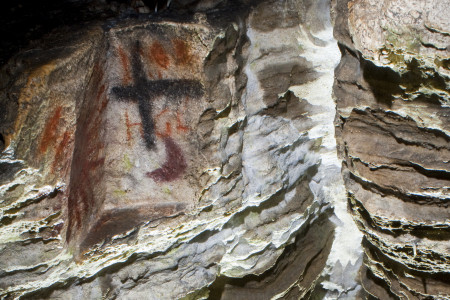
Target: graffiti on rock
{"x": 143, "y": 90}
{"x": 131, "y": 155}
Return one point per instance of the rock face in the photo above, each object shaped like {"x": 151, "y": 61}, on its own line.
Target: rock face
{"x": 393, "y": 118}
{"x": 193, "y": 153}
{"x": 171, "y": 156}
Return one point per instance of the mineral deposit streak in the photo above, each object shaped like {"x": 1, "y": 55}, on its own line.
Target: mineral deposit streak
{"x": 143, "y": 91}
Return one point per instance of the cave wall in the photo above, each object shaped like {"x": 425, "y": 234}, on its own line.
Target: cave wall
{"x": 292, "y": 149}
{"x": 392, "y": 97}
{"x": 172, "y": 155}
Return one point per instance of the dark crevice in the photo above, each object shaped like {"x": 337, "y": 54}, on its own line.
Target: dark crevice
{"x": 370, "y": 281}
{"x": 396, "y": 228}
{"x": 291, "y": 255}
{"x": 436, "y": 174}
{"x": 384, "y": 82}
{"x": 398, "y": 268}
{"x": 394, "y": 166}
{"x": 27, "y": 20}
{"x": 2, "y": 143}
{"x": 420, "y": 199}
{"x": 367, "y": 113}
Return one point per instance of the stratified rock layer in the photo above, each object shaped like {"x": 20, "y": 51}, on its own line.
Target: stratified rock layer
{"x": 180, "y": 156}
{"x": 393, "y": 121}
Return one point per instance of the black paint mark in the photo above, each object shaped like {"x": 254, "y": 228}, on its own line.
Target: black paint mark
{"x": 144, "y": 89}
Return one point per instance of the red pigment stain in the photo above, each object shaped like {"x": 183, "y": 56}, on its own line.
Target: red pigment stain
{"x": 100, "y": 92}
{"x": 125, "y": 62}
{"x": 87, "y": 161}
{"x": 85, "y": 183}
{"x": 127, "y": 122}
{"x": 168, "y": 129}
{"x": 130, "y": 125}
{"x": 180, "y": 126}
{"x": 159, "y": 55}
{"x": 173, "y": 167}
{"x": 103, "y": 105}
{"x": 182, "y": 54}
{"x": 49, "y": 135}
{"x": 98, "y": 71}
{"x": 164, "y": 111}
{"x": 61, "y": 149}
{"x": 148, "y": 59}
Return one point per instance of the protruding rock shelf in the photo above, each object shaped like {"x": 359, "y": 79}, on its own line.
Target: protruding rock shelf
{"x": 229, "y": 150}
{"x": 392, "y": 94}
{"x": 177, "y": 156}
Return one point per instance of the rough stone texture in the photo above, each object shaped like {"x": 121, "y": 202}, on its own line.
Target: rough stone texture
{"x": 177, "y": 156}
{"x": 194, "y": 155}
{"x": 393, "y": 118}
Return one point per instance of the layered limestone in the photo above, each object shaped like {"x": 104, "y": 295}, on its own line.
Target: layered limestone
{"x": 392, "y": 96}
{"x": 172, "y": 156}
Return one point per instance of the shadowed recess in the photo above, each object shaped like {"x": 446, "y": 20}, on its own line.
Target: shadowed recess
{"x": 301, "y": 263}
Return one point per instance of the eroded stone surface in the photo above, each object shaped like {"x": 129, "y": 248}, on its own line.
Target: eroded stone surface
{"x": 392, "y": 96}
{"x": 165, "y": 159}
{"x": 139, "y": 157}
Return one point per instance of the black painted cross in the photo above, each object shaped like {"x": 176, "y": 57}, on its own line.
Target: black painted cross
{"x": 144, "y": 90}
